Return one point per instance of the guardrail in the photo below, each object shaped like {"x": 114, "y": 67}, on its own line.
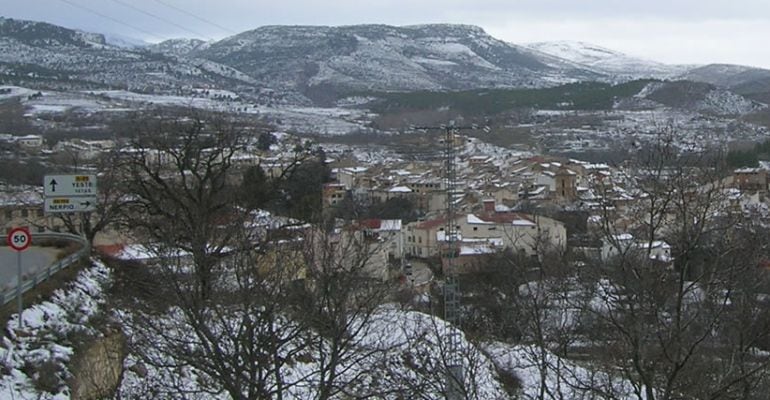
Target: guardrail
{"x": 6, "y": 296}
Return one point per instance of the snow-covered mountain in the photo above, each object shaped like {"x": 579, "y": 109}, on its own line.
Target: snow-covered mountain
{"x": 319, "y": 64}
{"x": 126, "y": 42}
{"x": 379, "y": 57}
{"x": 177, "y": 47}
{"x": 699, "y": 96}
{"x": 748, "y": 81}
{"x": 35, "y": 54}
{"x": 606, "y": 61}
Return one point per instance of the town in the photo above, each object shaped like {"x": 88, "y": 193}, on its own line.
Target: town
{"x": 377, "y": 211}
{"x": 437, "y": 228}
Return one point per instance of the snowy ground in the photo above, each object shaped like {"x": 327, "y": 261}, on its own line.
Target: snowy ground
{"x": 420, "y": 336}
{"x": 43, "y": 339}
{"x": 313, "y": 120}
{"x": 544, "y": 375}
{"x": 395, "y": 331}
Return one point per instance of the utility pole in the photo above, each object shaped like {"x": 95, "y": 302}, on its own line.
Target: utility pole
{"x": 454, "y": 385}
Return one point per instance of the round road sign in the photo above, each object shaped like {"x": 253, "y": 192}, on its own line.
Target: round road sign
{"x": 19, "y": 239}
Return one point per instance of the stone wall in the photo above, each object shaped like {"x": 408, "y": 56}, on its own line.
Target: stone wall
{"x": 98, "y": 368}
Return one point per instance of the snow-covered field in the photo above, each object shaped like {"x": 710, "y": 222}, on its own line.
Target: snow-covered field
{"x": 315, "y": 120}
{"x": 312, "y": 120}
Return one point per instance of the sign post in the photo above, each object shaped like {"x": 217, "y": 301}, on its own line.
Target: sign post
{"x": 19, "y": 239}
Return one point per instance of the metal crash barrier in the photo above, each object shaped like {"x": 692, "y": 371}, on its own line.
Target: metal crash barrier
{"x": 9, "y": 294}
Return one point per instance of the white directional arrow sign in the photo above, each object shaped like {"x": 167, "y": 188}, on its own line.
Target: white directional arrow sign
{"x": 70, "y": 204}
{"x": 69, "y": 185}
{"x": 69, "y": 193}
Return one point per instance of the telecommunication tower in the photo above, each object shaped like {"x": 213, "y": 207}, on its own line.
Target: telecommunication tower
{"x": 454, "y": 386}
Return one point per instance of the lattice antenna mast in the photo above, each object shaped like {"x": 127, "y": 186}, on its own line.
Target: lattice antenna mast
{"x": 455, "y": 377}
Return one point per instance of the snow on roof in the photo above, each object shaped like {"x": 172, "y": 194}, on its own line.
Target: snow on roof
{"x": 623, "y": 236}
{"x": 522, "y": 222}
{"x": 476, "y": 250}
{"x": 400, "y": 189}
{"x": 356, "y": 169}
{"x": 502, "y": 208}
{"x": 654, "y": 245}
{"x": 390, "y": 225}
{"x": 748, "y": 170}
{"x": 472, "y": 219}
{"x": 16, "y": 199}
{"x": 597, "y": 166}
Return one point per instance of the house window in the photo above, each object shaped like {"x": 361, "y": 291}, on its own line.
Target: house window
{"x": 475, "y": 228}
{"x": 24, "y": 213}
{"x": 40, "y": 213}
{"x": 419, "y": 240}
{"x": 8, "y": 214}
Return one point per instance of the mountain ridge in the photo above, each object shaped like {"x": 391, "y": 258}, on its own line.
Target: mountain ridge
{"x": 318, "y": 64}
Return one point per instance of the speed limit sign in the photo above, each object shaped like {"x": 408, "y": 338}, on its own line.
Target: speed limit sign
{"x": 19, "y": 239}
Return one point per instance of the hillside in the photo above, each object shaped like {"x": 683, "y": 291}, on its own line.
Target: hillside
{"x": 700, "y": 97}
{"x": 415, "y": 67}
{"x": 387, "y": 58}
{"x": 41, "y": 55}
{"x": 748, "y": 81}
{"x": 606, "y": 61}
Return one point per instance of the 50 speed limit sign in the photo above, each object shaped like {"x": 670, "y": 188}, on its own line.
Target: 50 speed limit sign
{"x": 19, "y": 239}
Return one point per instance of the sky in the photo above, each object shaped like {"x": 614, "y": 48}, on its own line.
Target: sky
{"x": 670, "y": 31}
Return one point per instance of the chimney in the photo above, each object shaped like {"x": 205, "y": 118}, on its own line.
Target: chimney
{"x": 489, "y": 205}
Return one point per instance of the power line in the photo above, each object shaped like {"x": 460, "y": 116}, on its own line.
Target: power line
{"x": 112, "y": 19}
{"x": 137, "y": 9}
{"x": 183, "y": 11}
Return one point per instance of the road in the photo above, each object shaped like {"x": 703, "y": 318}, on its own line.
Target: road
{"x": 34, "y": 259}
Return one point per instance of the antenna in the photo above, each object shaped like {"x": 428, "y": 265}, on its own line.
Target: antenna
{"x": 454, "y": 386}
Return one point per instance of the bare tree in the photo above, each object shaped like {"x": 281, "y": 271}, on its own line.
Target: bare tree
{"x": 659, "y": 315}
{"x": 255, "y": 306}
{"x": 110, "y": 202}
{"x": 176, "y": 172}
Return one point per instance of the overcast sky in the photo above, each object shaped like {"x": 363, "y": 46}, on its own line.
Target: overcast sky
{"x": 672, "y": 31}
